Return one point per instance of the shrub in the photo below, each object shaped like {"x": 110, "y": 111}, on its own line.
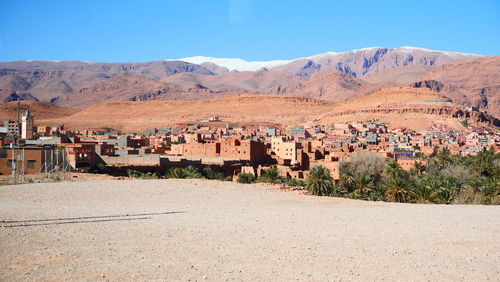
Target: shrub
{"x": 137, "y": 174}
{"x": 102, "y": 168}
{"x": 192, "y": 172}
{"x": 271, "y": 175}
{"x": 210, "y": 174}
{"x": 367, "y": 165}
{"x": 246, "y": 178}
{"x": 295, "y": 182}
{"x": 176, "y": 172}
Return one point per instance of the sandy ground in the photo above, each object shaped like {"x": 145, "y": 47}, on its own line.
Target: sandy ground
{"x": 197, "y": 230}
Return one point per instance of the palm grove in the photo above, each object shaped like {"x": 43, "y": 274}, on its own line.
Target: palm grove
{"x": 446, "y": 179}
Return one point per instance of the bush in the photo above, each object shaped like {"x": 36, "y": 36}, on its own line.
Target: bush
{"x": 102, "y": 168}
{"x": 271, "y": 175}
{"x": 192, "y": 172}
{"x": 295, "y": 182}
{"x": 246, "y": 178}
{"x": 137, "y": 174}
{"x": 176, "y": 172}
{"x": 210, "y": 174}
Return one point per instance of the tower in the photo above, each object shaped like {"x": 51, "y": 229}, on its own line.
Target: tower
{"x": 27, "y": 126}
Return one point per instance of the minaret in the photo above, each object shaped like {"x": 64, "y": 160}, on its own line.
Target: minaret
{"x": 27, "y": 126}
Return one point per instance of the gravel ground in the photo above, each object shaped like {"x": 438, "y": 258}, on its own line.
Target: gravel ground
{"x": 209, "y": 230}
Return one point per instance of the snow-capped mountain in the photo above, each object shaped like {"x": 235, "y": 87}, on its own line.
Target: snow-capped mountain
{"x": 234, "y": 63}
{"x": 359, "y": 62}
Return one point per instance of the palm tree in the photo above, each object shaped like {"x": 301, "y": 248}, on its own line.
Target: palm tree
{"x": 425, "y": 192}
{"x": 393, "y": 169}
{"x": 378, "y": 193}
{"x": 419, "y": 167}
{"x": 319, "y": 181}
{"x": 177, "y": 172}
{"x": 449, "y": 188}
{"x": 363, "y": 184}
{"x": 397, "y": 190}
{"x": 476, "y": 183}
{"x": 491, "y": 190}
{"x": 192, "y": 172}
{"x": 347, "y": 179}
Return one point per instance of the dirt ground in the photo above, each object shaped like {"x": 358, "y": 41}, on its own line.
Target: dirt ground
{"x": 209, "y": 230}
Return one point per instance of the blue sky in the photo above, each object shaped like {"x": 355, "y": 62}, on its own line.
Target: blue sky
{"x": 147, "y": 30}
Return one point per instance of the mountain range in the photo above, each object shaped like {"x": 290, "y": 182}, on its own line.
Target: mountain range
{"x": 467, "y": 79}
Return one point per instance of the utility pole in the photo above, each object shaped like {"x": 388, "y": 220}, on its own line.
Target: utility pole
{"x": 13, "y": 145}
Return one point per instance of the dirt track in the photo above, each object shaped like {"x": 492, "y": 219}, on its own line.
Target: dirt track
{"x": 195, "y": 229}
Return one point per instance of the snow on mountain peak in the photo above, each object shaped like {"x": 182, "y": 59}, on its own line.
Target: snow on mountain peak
{"x": 234, "y": 63}
{"x": 242, "y": 65}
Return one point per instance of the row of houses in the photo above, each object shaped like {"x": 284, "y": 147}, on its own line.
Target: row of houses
{"x": 293, "y": 150}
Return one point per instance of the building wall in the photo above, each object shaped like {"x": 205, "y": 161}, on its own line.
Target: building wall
{"x": 81, "y": 155}
{"x": 33, "y": 160}
{"x": 334, "y": 167}
{"x": 284, "y": 150}
{"x": 408, "y": 164}
{"x": 27, "y": 127}
{"x": 201, "y": 149}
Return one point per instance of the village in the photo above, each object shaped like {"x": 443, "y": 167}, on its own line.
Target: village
{"x": 230, "y": 149}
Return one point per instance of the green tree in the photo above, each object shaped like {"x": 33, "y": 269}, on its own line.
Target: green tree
{"x": 425, "y": 192}
{"x": 319, "y": 181}
{"x": 397, "y": 190}
{"x": 393, "y": 169}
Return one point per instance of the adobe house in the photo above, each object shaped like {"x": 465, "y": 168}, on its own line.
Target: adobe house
{"x": 285, "y": 150}
{"x": 245, "y": 150}
{"x": 408, "y": 164}
{"x": 34, "y": 159}
{"x": 81, "y": 156}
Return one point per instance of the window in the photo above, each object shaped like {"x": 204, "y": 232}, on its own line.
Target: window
{"x": 31, "y": 164}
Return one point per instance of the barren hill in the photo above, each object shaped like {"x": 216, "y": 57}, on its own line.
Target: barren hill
{"x": 243, "y": 109}
{"x": 415, "y": 108}
{"x": 132, "y": 88}
{"x": 472, "y": 82}
{"x": 47, "y": 79}
{"x": 336, "y": 86}
{"x": 41, "y": 110}
{"x": 268, "y": 82}
{"x": 402, "y": 106}
{"x": 400, "y": 75}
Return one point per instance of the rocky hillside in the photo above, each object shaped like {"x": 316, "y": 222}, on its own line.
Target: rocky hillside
{"x": 46, "y": 79}
{"x": 132, "y": 88}
{"x": 473, "y": 82}
{"x": 329, "y": 76}
{"x": 336, "y": 86}
{"x": 244, "y": 109}
{"x": 363, "y": 62}
{"x": 10, "y": 96}
{"x": 267, "y": 82}
{"x": 401, "y": 107}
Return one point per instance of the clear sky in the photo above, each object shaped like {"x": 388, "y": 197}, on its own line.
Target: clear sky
{"x": 147, "y": 30}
